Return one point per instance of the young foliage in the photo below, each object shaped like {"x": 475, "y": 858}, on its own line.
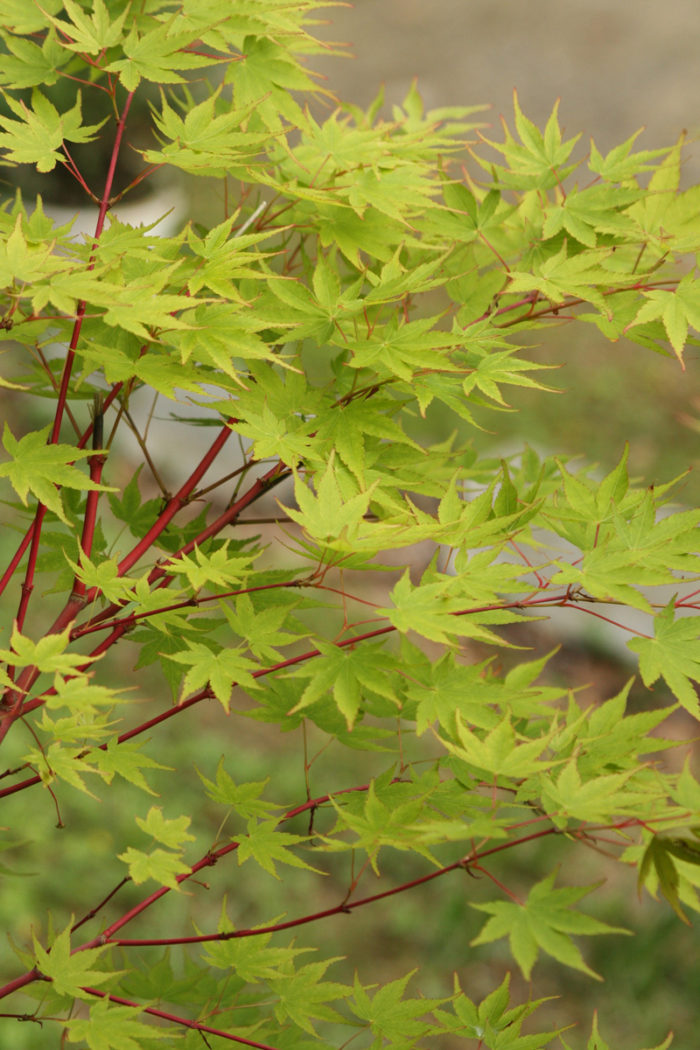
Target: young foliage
{"x": 328, "y": 562}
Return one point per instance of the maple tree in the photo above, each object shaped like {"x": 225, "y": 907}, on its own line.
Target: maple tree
{"x": 365, "y": 276}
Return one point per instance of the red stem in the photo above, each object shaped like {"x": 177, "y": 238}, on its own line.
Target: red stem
{"x": 177, "y": 502}
{"x": 27, "y": 538}
{"x": 212, "y": 857}
{"x": 90, "y": 519}
{"x": 128, "y": 621}
{"x": 195, "y": 1026}
{"x": 339, "y": 909}
{"x": 206, "y": 693}
{"x": 28, "y": 585}
{"x": 261, "y": 485}
{"x": 77, "y": 601}
{"x": 348, "y": 906}
{"x": 28, "y": 582}
{"x": 207, "y": 861}
{"x": 271, "y": 477}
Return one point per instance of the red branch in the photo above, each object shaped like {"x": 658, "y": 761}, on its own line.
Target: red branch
{"x": 27, "y": 538}
{"x": 195, "y": 1026}
{"x": 78, "y": 601}
{"x": 211, "y": 858}
{"x": 346, "y": 907}
{"x": 177, "y": 1020}
{"x": 90, "y": 519}
{"x": 28, "y": 585}
{"x": 207, "y": 693}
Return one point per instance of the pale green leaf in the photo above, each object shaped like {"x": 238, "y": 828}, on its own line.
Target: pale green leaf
{"x": 69, "y": 971}
{"x": 38, "y": 467}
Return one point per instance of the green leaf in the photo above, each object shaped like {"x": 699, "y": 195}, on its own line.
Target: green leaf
{"x": 81, "y": 696}
{"x": 48, "y": 655}
{"x": 89, "y": 35}
{"x": 30, "y": 65}
{"x": 267, "y": 76}
{"x": 157, "y": 55}
{"x": 674, "y": 654}
{"x": 659, "y": 856}
{"x": 303, "y": 998}
{"x": 687, "y": 790}
{"x": 105, "y": 576}
{"x": 262, "y": 630}
{"x": 326, "y": 515}
{"x": 348, "y": 674}
{"x": 404, "y": 349}
{"x": 159, "y": 865}
{"x": 537, "y": 161}
{"x": 449, "y": 690}
{"x": 384, "y": 821}
{"x": 429, "y": 610}
{"x": 613, "y": 487}
{"x": 544, "y": 921}
{"x": 499, "y": 368}
{"x": 172, "y": 833}
{"x": 113, "y": 1027}
{"x": 36, "y": 137}
{"x": 244, "y": 799}
{"x": 596, "y": 1041}
{"x": 566, "y": 275}
{"x": 595, "y": 800}
{"x": 62, "y": 762}
{"x": 69, "y": 972}
{"x": 221, "y": 671}
{"x": 678, "y": 309}
{"x": 499, "y": 752}
{"x": 268, "y": 847}
{"x": 127, "y": 760}
{"x": 620, "y": 163}
{"x": 216, "y": 569}
{"x": 208, "y": 140}
{"x": 24, "y": 263}
{"x": 250, "y": 958}
{"x": 492, "y": 1023}
{"x": 38, "y": 467}
{"x": 390, "y": 1016}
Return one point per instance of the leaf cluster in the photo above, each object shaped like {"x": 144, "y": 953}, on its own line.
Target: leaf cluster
{"x": 325, "y": 576}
